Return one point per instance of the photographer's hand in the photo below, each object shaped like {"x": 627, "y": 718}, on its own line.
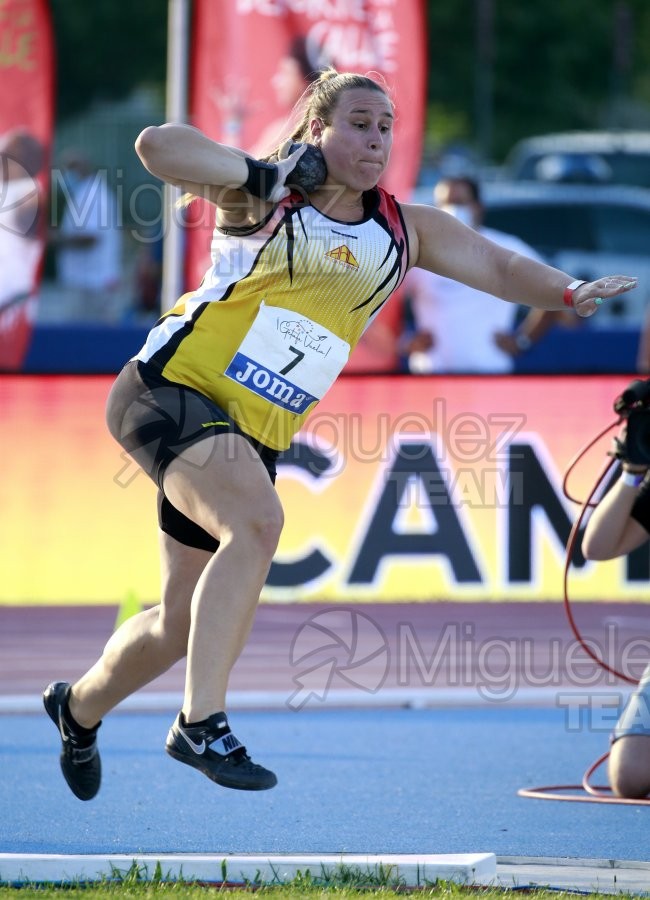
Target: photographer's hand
{"x": 611, "y": 530}
{"x": 619, "y": 451}
{"x": 589, "y": 296}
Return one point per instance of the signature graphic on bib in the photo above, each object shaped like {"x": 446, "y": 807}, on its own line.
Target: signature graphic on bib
{"x": 306, "y": 333}
{"x": 289, "y": 361}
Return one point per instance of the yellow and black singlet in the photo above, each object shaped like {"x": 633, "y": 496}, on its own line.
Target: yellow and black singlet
{"x": 279, "y": 311}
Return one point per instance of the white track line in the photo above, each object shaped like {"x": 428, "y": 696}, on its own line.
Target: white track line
{"x": 413, "y": 698}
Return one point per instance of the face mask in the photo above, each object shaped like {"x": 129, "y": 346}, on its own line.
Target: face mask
{"x": 462, "y": 212}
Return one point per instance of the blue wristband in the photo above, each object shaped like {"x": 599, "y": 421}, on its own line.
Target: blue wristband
{"x": 633, "y": 479}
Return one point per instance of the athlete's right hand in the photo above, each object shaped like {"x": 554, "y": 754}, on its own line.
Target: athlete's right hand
{"x": 306, "y": 171}
{"x": 285, "y": 168}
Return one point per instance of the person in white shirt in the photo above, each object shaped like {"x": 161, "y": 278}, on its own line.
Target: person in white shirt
{"x": 459, "y": 328}
{"x": 88, "y": 242}
{"x": 21, "y": 159}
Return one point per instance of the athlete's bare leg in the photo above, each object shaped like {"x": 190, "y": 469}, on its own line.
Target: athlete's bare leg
{"x": 225, "y": 488}
{"x": 147, "y": 644}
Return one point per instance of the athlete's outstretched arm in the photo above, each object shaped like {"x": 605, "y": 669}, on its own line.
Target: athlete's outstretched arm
{"x": 442, "y": 244}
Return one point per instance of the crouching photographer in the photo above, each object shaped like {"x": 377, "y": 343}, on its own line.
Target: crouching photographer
{"x": 619, "y": 524}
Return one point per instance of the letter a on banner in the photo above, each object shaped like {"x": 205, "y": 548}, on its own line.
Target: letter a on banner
{"x": 252, "y": 60}
{"x": 26, "y": 114}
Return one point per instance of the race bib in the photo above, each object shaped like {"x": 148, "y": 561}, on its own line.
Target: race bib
{"x": 288, "y": 359}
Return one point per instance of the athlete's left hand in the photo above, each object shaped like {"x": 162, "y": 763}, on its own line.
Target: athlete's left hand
{"x": 589, "y": 296}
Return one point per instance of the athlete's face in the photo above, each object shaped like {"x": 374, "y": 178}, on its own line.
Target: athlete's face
{"x": 357, "y": 142}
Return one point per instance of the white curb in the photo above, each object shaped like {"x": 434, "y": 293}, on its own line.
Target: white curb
{"x": 411, "y": 870}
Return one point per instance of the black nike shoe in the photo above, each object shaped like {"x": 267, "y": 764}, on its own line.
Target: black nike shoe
{"x": 79, "y": 758}
{"x": 213, "y": 749}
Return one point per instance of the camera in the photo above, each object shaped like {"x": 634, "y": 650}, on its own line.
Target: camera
{"x": 634, "y": 405}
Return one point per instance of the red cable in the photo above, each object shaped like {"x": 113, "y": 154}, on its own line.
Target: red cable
{"x": 569, "y": 554}
{"x": 596, "y": 793}
{"x": 599, "y": 790}
{"x": 578, "y": 457}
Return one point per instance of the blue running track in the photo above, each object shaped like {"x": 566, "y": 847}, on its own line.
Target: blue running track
{"x": 350, "y": 780}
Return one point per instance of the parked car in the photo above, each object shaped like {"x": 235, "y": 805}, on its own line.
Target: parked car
{"x": 613, "y": 157}
{"x": 586, "y": 230}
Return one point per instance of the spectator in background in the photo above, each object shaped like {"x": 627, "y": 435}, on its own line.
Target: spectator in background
{"x": 457, "y": 328}
{"x": 643, "y": 353}
{"x": 22, "y": 158}
{"x": 147, "y": 280}
{"x": 88, "y": 243}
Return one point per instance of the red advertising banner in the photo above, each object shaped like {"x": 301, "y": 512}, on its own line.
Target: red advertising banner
{"x": 26, "y": 116}
{"x": 251, "y": 63}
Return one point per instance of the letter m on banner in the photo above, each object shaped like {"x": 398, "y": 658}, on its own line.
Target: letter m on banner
{"x": 26, "y": 117}
{"x": 252, "y": 60}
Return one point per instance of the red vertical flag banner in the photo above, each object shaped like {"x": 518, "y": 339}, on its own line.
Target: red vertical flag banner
{"x": 26, "y": 120}
{"x": 251, "y": 61}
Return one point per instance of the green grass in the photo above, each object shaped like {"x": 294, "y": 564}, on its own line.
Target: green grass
{"x": 341, "y": 884}
{"x": 280, "y": 892}
{"x": 293, "y": 891}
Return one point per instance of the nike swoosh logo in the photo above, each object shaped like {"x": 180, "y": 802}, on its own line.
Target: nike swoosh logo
{"x": 64, "y": 737}
{"x": 198, "y": 748}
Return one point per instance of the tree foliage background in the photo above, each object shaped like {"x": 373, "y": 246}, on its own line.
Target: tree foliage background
{"x": 105, "y": 48}
{"x": 543, "y": 66}
{"x": 498, "y": 69}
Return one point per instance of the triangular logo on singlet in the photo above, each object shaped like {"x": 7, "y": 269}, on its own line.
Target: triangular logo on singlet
{"x": 343, "y": 255}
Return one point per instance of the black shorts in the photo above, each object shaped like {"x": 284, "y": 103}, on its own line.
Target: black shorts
{"x": 154, "y": 420}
